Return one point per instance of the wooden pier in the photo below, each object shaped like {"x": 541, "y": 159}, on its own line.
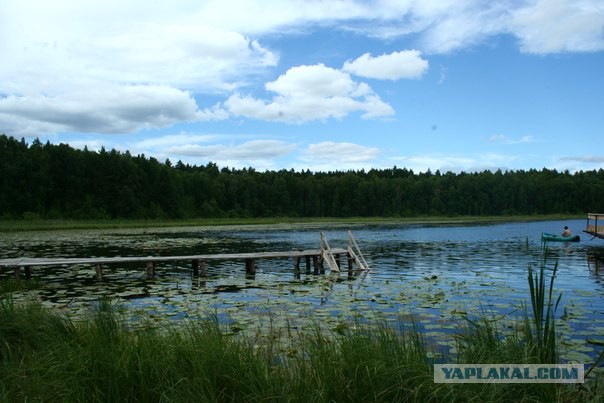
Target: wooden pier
{"x": 595, "y": 225}
{"x": 325, "y": 254}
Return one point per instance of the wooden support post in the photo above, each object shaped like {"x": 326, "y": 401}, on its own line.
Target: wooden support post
{"x": 150, "y": 270}
{"x": 99, "y": 271}
{"x": 195, "y": 267}
{"x": 250, "y": 267}
{"x": 17, "y": 272}
{"x": 297, "y": 267}
{"x": 307, "y": 264}
{"x": 315, "y": 263}
{"x": 350, "y": 261}
{"x": 199, "y": 273}
{"x": 28, "y": 272}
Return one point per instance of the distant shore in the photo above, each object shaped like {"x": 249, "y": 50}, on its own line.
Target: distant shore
{"x": 56, "y": 224}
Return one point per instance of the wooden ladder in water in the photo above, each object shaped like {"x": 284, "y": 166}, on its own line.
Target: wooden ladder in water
{"x": 354, "y": 253}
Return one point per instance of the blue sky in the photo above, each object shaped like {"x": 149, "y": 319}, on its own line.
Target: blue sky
{"x": 321, "y": 85}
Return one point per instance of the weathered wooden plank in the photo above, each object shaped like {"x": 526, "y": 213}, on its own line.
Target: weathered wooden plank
{"x": 25, "y": 261}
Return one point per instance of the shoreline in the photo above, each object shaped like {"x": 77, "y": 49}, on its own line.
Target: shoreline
{"x": 66, "y": 225}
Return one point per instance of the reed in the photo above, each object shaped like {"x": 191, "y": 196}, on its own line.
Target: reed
{"x": 46, "y": 357}
{"x": 540, "y": 328}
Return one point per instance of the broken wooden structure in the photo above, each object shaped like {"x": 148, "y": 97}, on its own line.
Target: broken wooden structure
{"x": 325, "y": 254}
{"x": 595, "y": 225}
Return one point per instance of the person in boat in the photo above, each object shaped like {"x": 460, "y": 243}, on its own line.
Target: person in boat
{"x": 566, "y": 232}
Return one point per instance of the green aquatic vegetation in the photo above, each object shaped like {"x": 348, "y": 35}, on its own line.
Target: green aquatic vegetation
{"x": 10, "y": 285}
{"x": 46, "y": 357}
{"x": 540, "y": 328}
{"x": 534, "y": 339}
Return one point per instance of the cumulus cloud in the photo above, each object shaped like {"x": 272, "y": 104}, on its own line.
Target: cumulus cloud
{"x": 578, "y": 163}
{"x": 452, "y": 25}
{"x": 306, "y": 93}
{"x": 329, "y": 151}
{"x": 225, "y": 150}
{"x": 455, "y": 163}
{"x": 115, "y": 66}
{"x": 55, "y": 47}
{"x": 394, "y": 66}
{"x": 174, "y": 140}
{"x": 336, "y": 156}
{"x": 250, "y": 150}
{"x": 116, "y": 109}
{"x": 553, "y": 26}
{"x": 542, "y": 26}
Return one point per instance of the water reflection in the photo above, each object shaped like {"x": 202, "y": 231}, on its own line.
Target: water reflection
{"x": 435, "y": 273}
{"x": 595, "y": 263}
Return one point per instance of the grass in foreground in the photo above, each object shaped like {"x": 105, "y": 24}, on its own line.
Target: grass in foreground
{"x": 46, "y": 357}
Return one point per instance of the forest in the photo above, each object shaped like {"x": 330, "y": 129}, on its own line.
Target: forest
{"x": 57, "y": 181}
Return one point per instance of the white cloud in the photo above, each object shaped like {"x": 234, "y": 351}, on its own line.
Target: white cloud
{"x": 175, "y": 140}
{"x": 56, "y": 46}
{"x": 306, "y": 93}
{"x": 114, "y": 66}
{"x": 259, "y": 153}
{"x": 553, "y": 26}
{"x": 113, "y": 109}
{"x": 336, "y": 156}
{"x": 587, "y": 158}
{"x": 452, "y": 25}
{"x": 577, "y": 163}
{"x": 336, "y": 153}
{"x": 542, "y": 26}
{"x": 455, "y": 163}
{"x": 500, "y": 138}
{"x": 396, "y": 65}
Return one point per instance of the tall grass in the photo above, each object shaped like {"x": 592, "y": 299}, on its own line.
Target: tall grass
{"x": 540, "y": 329}
{"x": 533, "y": 341}
{"x": 46, "y": 357}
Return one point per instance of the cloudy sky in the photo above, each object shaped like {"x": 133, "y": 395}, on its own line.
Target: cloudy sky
{"x": 311, "y": 84}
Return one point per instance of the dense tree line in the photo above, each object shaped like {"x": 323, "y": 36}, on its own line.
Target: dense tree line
{"x": 57, "y": 181}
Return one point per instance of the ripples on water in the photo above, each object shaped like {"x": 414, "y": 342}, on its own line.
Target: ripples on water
{"x": 428, "y": 271}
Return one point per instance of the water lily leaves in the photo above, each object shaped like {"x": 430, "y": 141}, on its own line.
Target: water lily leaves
{"x": 436, "y": 285}
{"x": 574, "y": 357}
{"x": 596, "y": 342}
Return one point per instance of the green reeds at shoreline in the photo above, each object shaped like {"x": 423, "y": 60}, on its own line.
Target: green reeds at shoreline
{"x": 45, "y": 356}
{"x": 38, "y": 224}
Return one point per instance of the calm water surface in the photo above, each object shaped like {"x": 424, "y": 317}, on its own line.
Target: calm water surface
{"x": 435, "y": 274}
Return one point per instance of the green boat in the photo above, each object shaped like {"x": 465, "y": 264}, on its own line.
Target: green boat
{"x": 559, "y": 238}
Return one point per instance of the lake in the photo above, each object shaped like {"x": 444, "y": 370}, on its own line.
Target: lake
{"x": 433, "y": 274}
